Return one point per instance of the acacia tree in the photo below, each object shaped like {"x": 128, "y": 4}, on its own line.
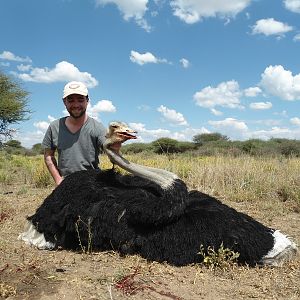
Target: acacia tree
{"x": 203, "y": 138}
{"x": 13, "y": 105}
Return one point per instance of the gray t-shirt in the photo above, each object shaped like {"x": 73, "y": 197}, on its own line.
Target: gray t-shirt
{"x": 76, "y": 151}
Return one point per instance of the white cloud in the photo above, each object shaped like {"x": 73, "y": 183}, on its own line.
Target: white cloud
{"x": 281, "y": 83}
{"x": 41, "y": 125}
{"x": 230, "y": 123}
{"x": 187, "y": 134}
{"x": 252, "y": 91}
{"x": 281, "y": 113}
{"x": 24, "y": 68}
{"x": 226, "y": 94}
{"x": 260, "y": 105}
{"x": 51, "y": 119}
{"x": 144, "y": 107}
{"x": 172, "y": 116}
{"x": 63, "y": 71}
{"x": 7, "y": 55}
{"x": 145, "y": 58}
{"x": 270, "y": 27}
{"x": 231, "y": 127}
{"x": 295, "y": 121}
{"x": 267, "y": 122}
{"x": 192, "y": 11}
{"x": 148, "y": 135}
{"x": 28, "y": 139}
{"x": 216, "y": 112}
{"x": 292, "y": 5}
{"x": 275, "y": 132}
{"x": 296, "y": 37}
{"x": 185, "y": 63}
{"x": 4, "y": 64}
{"x": 130, "y": 9}
{"x": 101, "y": 106}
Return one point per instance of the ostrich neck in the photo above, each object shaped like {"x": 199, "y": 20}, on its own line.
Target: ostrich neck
{"x": 162, "y": 177}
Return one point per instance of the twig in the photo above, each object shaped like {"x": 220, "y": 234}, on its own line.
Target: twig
{"x": 109, "y": 290}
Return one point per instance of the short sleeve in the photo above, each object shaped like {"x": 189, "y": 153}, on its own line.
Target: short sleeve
{"x": 47, "y": 141}
{"x": 100, "y": 134}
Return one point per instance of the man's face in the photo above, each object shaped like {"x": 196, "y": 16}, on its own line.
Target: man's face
{"x": 76, "y": 105}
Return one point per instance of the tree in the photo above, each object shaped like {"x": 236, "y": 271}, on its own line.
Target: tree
{"x": 165, "y": 145}
{"x": 37, "y": 148}
{"x": 13, "y": 144}
{"x": 13, "y": 105}
{"x": 203, "y": 138}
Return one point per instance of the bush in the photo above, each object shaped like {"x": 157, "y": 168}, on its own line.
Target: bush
{"x": 136, "y": 148}
{"x": 165, "y": 146}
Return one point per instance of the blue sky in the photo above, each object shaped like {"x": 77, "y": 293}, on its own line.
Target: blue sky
{"x": 168, "y": 68}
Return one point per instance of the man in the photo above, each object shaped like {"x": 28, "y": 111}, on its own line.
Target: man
{"x": 77, "y": 138}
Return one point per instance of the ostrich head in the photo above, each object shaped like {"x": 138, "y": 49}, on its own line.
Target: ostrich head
{"x": 118, "y": 133}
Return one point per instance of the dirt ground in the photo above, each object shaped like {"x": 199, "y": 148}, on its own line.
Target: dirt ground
{"x": 28, "y": 273}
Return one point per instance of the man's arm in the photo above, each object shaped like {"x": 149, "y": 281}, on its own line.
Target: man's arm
{"x": 51, "y": 164}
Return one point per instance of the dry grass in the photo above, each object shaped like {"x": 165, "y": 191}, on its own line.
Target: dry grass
{"x": 267, "y": 189}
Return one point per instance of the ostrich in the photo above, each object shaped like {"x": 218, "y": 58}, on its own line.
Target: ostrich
{"x": 149, "y": 212}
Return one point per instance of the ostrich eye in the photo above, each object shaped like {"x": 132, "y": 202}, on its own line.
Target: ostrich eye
{"x": 114, "y": 126}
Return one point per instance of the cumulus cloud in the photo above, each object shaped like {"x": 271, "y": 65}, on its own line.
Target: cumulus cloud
{"x": 7, "y": 55}
{"x": 270, "y": 27}
{"x": 275, "y": 132}
{"x": 145, "y": 58}
{"x": 63, "y": 71}
{"x": 185, "y": 63}
{"x": 295, "y": 121}
{"x": 296, "y": 37}
{"x": 230, "y": 123}
{"x": 252, "y": 91}
{"x": 267, "y": 122}
{"x": 260, "y": 105}
{"x": 172, "y": 116}
{"x": 41, "y": 125}
{"x": 231, "y": 127}
{"x": 226, "y": 94}
{"x": 148, "y": 135}
{"x": 101, "y": 106}
{"x": 24, "y": 68}
{"x": 216, "y": 112}
{"x": 28, "y": 139}
{"x": 4, "y": 64}
{"x": 188, "y": 133}
{"x": 130, "y": 9}
{"x": 281, "y": 83}
{"x": 292, "y": 5}
{"x": 192, "y": 11}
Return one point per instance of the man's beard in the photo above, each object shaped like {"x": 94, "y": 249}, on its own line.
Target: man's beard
{"x": 77, "y": 116}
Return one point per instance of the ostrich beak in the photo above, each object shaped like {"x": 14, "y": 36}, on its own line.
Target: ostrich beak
{"x": 128, "y": 135}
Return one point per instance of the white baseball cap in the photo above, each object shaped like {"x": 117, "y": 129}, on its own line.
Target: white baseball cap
{"x": 75, "y": 87}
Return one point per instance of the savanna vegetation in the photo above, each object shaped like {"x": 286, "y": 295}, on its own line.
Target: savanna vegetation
{"x": 266, "y": 188}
